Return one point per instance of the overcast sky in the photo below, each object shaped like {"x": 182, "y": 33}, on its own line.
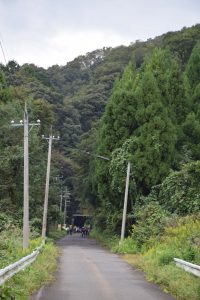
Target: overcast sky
{"x": 48, "y": 32}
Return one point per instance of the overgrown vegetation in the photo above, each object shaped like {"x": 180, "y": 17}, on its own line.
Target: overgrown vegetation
{"x": 26, "y": 282}
{"x": 56, "y": 234}
{"x": 138, "y": 104}
{"x": 153, "y": 246}
{"x": 11, "y": 241}
{"x": 150, "y": 91}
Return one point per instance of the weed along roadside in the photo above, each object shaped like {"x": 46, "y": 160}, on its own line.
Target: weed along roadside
{"x": 22, "y": 285}
{"x": 180, "y": 238}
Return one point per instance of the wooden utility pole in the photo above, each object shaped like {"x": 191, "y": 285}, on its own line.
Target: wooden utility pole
{"x": 125, "y": 201}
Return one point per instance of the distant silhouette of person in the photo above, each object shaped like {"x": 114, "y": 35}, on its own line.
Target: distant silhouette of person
{"x": 83, "y": 232}
{"x": 70, "y": 229}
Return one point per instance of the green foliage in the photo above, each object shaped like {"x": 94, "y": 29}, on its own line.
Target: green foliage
{"x": 193, "y": 67}
{"x": 179, "y": 193}
{"x": 11, "y": 163}
{"x": 150, "y": 224}
{"x": 105, "y": 238}
{"x": 136, "y": 126}
{"x": 126, "y": 246}
{"x": 56, "y": 234}
{"x": 7, "y": 293}
{"x": 4, "y": 91}
{"x": 150, "y": 92}
{"x": 25, "y": 283}
{"x": 11, "y": 245}
{"x": 118, "y": 120}
{"x": 151, "y": 119}
{"x": 116, "y": 125}
{"x": 153, "y": 153}
{"x": 108, "y": 221}
{"x": 6, "y": 222}
{"x": 191, "y": 124}
{"x": 182, "y": 42}
{"x": 172, "y": 279}
{"x": 180, "y": 238}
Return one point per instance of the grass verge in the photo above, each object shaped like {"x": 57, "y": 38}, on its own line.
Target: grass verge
{"x": 180, "y": 239}
{"x": 105, "y": 239}
{"x": 173, "y": 280}
{"x": 56, "y": 234}
{"x": 28, "y": 281}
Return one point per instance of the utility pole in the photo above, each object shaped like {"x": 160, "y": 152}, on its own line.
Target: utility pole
{"x": 66, "y": 197}
{"x": 59, "y": 179}
{"x": 61, "y": 196}
{"x": 126, "y": 192}
{"x": 44, "y": 223}
{"x": 65, "y": 211}
{"x": 125, "y": 201}
{"x": 25, "y": 124}
{"x": 26, "y": 183}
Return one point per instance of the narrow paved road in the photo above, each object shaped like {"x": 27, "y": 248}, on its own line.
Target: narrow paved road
{"x": 89, "y": 272}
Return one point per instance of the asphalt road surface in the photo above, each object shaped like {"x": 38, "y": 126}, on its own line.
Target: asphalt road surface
{"x": 89, "y": 272}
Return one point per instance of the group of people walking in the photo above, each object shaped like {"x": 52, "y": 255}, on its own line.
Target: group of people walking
{"x": 85, "y": 230}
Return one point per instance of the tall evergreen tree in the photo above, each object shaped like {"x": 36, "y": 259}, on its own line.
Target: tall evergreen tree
{"x": 193, "y": 68}
{"x": 118, "y": 121}
{"x": 168, "y": 74}
{"x": 156, "y": 135}
{"x": 191, "y": 125}
{"x": 116, "y": 126}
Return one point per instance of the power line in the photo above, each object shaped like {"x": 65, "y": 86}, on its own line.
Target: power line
{"x": 1, "y": 44}
{"x": 89, "y": 153}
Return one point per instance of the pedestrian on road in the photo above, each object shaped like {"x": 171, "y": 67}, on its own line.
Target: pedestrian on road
{"x": 70, "y": 229}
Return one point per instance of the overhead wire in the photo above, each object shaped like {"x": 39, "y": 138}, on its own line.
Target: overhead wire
{"x": 2, "y": 49}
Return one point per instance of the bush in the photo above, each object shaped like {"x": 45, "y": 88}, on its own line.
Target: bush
{"x": 105, "y": 238}
{"x": 126, "y": 246}
{"x": 165, "y": 257}
{"x": 23, "y": 284}
{"x": 56, "y": 234}
{"x": 5, "y": 221}
{"x": 11, "y": 246}
{"x": 150, "y": 224}
{"x": 181, "y": 239}
{"x": 180, "y": 191}
{"x": 109, "y": 221}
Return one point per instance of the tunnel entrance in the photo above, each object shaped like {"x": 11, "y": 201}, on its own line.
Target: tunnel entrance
{"x": 79, "y": 220}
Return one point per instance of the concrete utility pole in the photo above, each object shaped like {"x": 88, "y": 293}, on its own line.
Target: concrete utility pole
{"x": 61, "y": 198}
{"x": 65, "y": 212}
{"x": 66, "y": 197}
{"x": 125, "y": 202}
{"x": 26, "y": 125}
{"x": 26, "y": 183}
{"x": 125, "y": 196}
{"x": 44, "y": 223}
{"x": 59, "y": 179}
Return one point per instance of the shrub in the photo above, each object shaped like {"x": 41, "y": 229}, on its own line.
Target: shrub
{"x": 150, "y": 222}
{"x": 180, "y": 191}
{"x": 126, "y": 246}
{"x": 5, "y": 221}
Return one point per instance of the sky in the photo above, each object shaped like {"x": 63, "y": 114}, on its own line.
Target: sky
{"x": 49, "y": 32}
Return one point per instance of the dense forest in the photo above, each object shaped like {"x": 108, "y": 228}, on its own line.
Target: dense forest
{"x": 139, "y": 103}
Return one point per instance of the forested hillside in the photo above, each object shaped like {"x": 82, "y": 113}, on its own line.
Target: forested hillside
{"x": 138, "y": 103}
